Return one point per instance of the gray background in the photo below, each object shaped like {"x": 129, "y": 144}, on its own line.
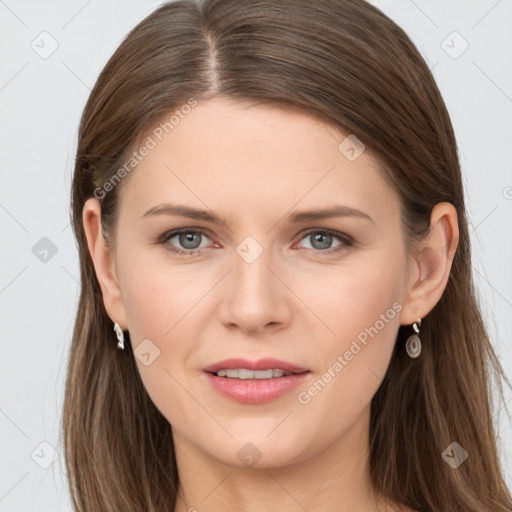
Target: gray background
{"x": 41, "y": 100}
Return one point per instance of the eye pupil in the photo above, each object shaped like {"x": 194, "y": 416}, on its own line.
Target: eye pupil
{"x": 187, "y": 240}
{"x": 327, "y": 240}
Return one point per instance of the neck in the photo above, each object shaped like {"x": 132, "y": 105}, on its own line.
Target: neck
{"x": 335, "y": 479}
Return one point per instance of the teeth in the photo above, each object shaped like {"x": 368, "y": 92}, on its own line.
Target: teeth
{"x": 242, "y": 373}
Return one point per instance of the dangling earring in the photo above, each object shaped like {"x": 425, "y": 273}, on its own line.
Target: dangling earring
{"x": 413, "y": 344}
{"x": 120, "y": 336}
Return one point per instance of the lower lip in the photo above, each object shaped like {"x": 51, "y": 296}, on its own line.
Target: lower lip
{"x": 256, "y": 391}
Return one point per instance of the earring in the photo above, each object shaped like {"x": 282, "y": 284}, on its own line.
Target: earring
{"x": 120, "y": 336}
{"x": 413, "y": 344}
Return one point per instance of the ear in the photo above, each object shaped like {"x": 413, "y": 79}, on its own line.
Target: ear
{"x": 431, "y": 265}
{"x": 104, "y": 262}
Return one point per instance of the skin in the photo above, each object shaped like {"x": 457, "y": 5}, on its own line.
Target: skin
{"x": 253, "y": 166}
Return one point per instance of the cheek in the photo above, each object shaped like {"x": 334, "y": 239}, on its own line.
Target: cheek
{"x": 360, "y": 310}
{"x": 367, "y": 305}
{"x": 353, "y": 298}
{"x": 156, "y": 304}
{"x": 156, "y": 294}
{"x": 164, "y": 303}
{"x": 150, "y": 309}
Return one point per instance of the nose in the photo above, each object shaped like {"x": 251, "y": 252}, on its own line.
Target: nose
{"x": 254, "y": 297}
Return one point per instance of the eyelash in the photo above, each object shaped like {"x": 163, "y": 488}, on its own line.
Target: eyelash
{"x": 346, "y": 240}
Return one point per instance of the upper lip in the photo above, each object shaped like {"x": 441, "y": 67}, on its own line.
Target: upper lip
{"x": 261, "y": 364}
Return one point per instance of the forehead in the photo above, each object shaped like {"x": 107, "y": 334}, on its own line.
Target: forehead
{"x": 240, "y": 155}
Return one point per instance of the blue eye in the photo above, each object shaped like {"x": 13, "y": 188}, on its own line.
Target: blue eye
{"x": 323, "y": 238}
{"x": 190, "y": 240}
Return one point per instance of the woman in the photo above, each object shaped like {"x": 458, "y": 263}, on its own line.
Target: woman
{"x": 277, "y": 307}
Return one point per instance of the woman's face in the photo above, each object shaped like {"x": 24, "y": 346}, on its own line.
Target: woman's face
{"x": 324, "y": 294}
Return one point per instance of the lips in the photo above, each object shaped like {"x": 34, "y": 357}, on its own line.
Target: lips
{"x": 261, "y": 364}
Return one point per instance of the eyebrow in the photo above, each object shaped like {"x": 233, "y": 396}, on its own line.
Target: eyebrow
{"x": 294, "y": 218}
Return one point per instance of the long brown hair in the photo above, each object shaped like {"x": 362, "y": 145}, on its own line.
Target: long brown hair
{"x": 349, "y": 64}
